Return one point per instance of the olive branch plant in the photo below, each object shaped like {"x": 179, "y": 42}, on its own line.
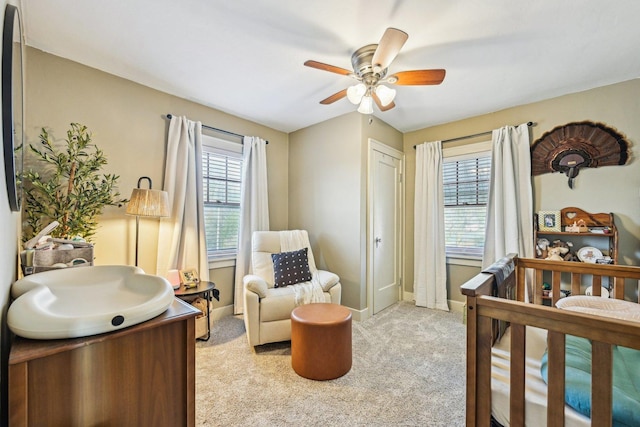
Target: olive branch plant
{"x": 70, "y": 188}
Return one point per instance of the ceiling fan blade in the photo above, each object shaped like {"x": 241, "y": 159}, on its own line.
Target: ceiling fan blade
{"x": 418, "y": 77}
{"x": 327, "y": 67}
{"x": 335, "y": 97}
{"x": 389, "y": 106}
{"x": 390, "y": 44}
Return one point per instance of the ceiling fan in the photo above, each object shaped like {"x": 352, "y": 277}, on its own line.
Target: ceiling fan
{"x": 370, "y": 65}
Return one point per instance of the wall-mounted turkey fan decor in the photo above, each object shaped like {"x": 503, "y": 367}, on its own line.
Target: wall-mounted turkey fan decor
{"x": 370, "y": 65}
{"x": 576, "y": 145}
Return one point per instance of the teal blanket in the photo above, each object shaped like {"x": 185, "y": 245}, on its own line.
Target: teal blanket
{"x": 626, "y": 380}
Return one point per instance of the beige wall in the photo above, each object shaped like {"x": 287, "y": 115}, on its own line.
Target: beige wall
{"x": 327, "y": 194}
{"x": 324, "y": 197}
{"x": 128, "y": 124}
{"x": 607, "y": 189}
{"x": 380, "y": 131}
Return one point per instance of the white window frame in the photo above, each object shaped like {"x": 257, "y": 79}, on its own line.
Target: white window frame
{"x": 462, "y": 152}
{"x": 229, "y": 148}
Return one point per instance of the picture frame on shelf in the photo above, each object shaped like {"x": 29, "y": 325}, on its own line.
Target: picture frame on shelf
{"x": 549, "y": 221}
{"x": 189, "y": 278}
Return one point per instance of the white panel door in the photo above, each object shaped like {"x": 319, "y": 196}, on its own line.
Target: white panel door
{"x": 385, "y": 240}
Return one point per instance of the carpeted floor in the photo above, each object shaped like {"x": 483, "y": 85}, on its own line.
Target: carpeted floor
{"x": 408, "y": 370}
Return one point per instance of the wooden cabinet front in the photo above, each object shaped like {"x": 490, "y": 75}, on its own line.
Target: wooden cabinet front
{"x": 143, "y": 375}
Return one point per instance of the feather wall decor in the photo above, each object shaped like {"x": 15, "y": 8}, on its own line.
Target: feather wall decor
{"x": 576, "y": 145}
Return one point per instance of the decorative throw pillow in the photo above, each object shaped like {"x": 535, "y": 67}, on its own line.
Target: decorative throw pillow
{"x": 290, "y": 268}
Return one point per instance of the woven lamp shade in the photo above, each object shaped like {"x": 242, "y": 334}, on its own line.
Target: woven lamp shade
{"x": 147, "y": 202}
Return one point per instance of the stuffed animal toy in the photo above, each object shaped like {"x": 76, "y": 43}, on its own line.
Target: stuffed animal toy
{"x": 567, "y": 255}
{"x": 541, "y": 247}
{"x": 561, "y": 244}
{"x": 556, "y": 253}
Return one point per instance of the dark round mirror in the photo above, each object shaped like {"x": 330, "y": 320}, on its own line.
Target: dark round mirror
{"x": 12, "y": 105}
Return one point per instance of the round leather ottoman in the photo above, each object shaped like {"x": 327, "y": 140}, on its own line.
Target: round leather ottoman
{"x": 321, "y": 341}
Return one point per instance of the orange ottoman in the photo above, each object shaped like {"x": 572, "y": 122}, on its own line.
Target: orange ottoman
{"x": 321, "y": 341}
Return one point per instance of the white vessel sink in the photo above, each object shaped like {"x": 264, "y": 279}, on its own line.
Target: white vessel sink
{"x": 83, "y": 301}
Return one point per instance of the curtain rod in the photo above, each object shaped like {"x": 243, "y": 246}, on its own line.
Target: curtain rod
{"x": 216, "y": 129}
{"x": 474, "y": 135}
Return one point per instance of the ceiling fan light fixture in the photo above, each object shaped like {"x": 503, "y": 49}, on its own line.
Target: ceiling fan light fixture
{"x": 366, "y": 105}
{"x": 370, "y": 67}
{"x": 356, "y": 92}
{"x": 385, "y": 94}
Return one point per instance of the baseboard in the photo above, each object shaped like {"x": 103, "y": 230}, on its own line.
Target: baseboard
{"x": 359, "y": 315}
{"x": 220, "y": 312}
{"x": 454, "y": 306}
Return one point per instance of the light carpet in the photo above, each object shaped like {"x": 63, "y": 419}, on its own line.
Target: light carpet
{"x": 408, "y": 370}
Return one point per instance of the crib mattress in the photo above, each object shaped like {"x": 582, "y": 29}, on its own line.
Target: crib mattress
{"x": 535, "y": 387}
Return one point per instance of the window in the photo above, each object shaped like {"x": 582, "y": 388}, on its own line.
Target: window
{"x": 221, "y": 175}
{"x": 466, "y": 190}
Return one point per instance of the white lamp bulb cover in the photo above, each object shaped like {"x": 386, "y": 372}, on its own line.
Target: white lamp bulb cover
{"x": 385, "y": 95}
{"x": 366, "y": 106}
{"x": 356, "y": 92}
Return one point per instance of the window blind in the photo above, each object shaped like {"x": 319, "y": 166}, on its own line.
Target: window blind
{"x": 466, "y": 191}
{"x": 221, "y": 175}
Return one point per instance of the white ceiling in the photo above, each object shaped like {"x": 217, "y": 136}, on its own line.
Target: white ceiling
{"x": 245, "y": 57}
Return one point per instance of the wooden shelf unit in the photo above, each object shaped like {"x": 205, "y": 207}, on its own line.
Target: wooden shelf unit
{"x": 572, "y": 214}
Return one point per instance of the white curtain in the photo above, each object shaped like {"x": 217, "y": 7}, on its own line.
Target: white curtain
{"x": 182, "y": 240}
{"x": 254, "y": 209}
{"x": 510, "y": 205}
{"x": 430, "y": 276}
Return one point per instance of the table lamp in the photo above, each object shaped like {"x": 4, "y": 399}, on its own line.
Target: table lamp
{"x": 149, "y": 203}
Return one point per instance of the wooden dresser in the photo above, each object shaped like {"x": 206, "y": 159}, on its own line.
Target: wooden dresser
{"x": 139, "y": 376}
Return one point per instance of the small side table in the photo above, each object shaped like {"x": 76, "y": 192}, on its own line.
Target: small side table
{"x": 321, "y": 346}
{"x": 206, "y": 290}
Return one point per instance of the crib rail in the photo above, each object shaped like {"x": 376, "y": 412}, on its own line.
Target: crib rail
{"x": 482, "y": 309}
{"x": 618, "y": 273}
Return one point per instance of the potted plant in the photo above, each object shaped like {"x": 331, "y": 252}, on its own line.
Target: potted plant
{"x": 70, "y": 188}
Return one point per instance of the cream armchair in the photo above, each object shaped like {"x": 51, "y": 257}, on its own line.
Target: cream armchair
{"x": 267, "y": 308}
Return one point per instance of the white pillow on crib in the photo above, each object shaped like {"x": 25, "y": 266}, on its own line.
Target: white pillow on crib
{"x": 606, "y": 307}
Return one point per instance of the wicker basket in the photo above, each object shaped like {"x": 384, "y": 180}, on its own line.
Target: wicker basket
{"x": 201, "y": 326}
{"x": 43, "y": 260}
